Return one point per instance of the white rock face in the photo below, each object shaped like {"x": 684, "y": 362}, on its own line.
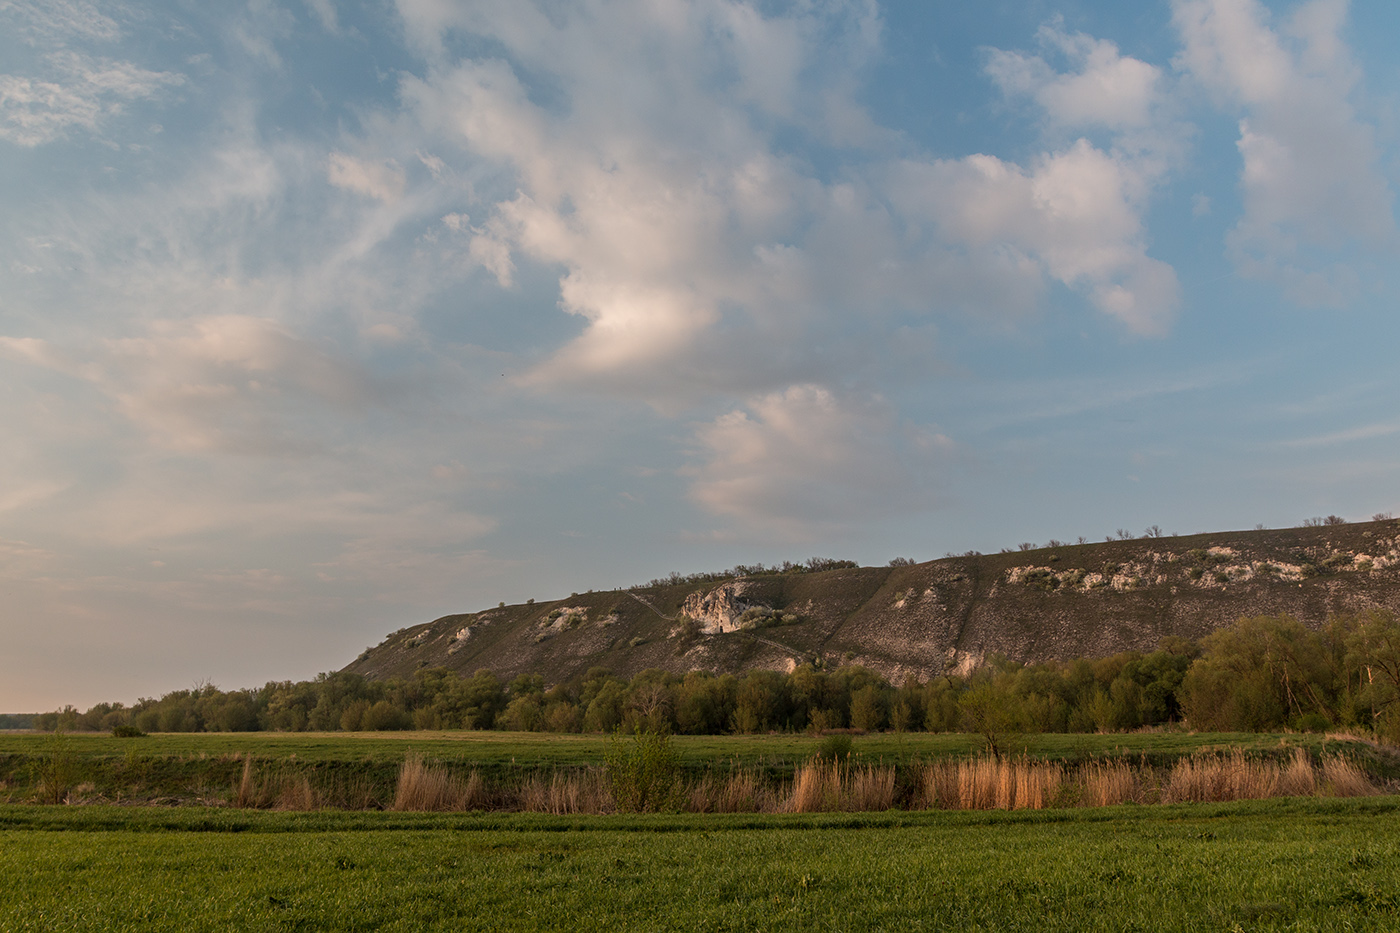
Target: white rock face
{"x": 718, "y": 610}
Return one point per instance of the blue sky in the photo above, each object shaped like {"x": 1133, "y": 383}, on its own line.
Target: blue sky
{"x": 322, "y": 318}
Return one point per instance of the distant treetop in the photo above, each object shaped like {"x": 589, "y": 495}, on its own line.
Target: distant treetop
{"x": 811, "y": 565}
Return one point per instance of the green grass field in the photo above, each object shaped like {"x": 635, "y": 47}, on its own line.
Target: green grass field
{"x": 1283, "y": 864}
{"x": 534, "y": 749}
{"x": 1269, "y": 865}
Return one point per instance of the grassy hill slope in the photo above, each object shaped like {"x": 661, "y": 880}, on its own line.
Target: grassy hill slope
{"x": 924, "y": 619}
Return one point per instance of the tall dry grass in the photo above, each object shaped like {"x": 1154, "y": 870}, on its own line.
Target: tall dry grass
{"x": 565, "y": 793}
{"x": 431, "y": 788}
{"x": 738, "y": 792}
{"x": 245, "y": 791}
{"x": 1342, "y": 778}
{"x": 279, "y": 790}
{"x": 815, "y": 788}
{"x": 1234, "y": 776}
{"x": 987, "y": 783}
{"x": 821, "y": 786}
{"x": 1108, "y": 783}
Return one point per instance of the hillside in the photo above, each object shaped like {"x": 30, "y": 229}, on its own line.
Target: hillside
{"x": 924, "y": 619}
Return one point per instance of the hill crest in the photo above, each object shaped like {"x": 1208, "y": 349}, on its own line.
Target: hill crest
{"x": 923, "y": 619}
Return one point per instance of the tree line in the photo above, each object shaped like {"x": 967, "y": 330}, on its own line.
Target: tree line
{"x": 1261, "y": 674}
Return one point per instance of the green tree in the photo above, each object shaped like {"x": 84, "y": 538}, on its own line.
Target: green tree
{"x": 867, "y": 708}
{"x": 993, "y": 712}
{"x": 1372, "y": 643}
{"x": 1257, "y": 675}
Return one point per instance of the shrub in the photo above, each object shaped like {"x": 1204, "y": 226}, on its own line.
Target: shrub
{"x": 834, "y": 747}
{"x": 643, "y": 773}
{"x": 57, "y": 770}
{"x": 1313, "y": 722}
{"x": 127, "y": 732}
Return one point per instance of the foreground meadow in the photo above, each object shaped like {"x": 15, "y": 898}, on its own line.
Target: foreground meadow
{"x": 1261, "y": 865}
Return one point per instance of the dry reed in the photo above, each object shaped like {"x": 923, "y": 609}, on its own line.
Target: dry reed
{"x": 739, "y": 792}
{"x": 816, "y": 787}
{"x": 821, "y": 787}
{"x": 979, "y": 783}
{"x": 1107, "y": 783}
{"x": 565, "y": 793}
{"x": 987, "y": 783}
{"x": 868, "y": 789}
{"x": 424, "y": 787}
{"x": 1297, "y": 778}
{"x": 1342, "y": 778}
{"x": 1237, "y": 777}
{"x": 278, "y": 791}
{"x": 245, "y": 791}
{"x": 296, "y": 793}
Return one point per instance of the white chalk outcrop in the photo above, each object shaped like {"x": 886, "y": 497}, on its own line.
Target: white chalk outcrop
{"x": 720, "y": 609}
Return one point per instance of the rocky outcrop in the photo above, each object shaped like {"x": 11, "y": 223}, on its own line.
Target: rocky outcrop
{"x": 719, "y": 610}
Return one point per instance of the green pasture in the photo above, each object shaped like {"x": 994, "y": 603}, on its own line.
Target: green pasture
{"x": 1265, "y": 865}
{"x": 549, "y": 749}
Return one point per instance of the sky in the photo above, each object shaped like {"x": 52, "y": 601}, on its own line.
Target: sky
{"x": 321, "y": 318}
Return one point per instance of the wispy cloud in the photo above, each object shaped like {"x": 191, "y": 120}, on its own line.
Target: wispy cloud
{"x": 75, "y": 92}
{"x": 1364, "y": 432}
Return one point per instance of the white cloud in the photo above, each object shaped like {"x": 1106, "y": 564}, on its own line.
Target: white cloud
{"x": 638, "y": 146}
{"x": 78, "y": 92}
{"x": 1076, "y": 214}
{"x": 383, "y": 181}
{"x": 798, "y": 462}
{"x": 1078, "y": 209}
{"x": 58, "y": 21}
{"x": 1106, "y": 89}
{"x": 1310, "y": 181}
{"x": 324, "y": 11}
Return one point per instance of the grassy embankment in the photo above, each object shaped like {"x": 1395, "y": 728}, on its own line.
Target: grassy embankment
{"x": 362, "y": 771}
{"x": 1264, "y": 865}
